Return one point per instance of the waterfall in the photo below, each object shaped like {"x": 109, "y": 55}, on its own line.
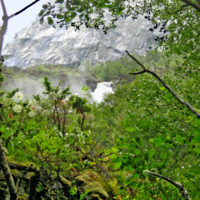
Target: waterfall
{"x": 102, "y": 89}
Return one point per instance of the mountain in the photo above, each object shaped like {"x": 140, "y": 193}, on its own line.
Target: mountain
{"x": 43, "y": 44}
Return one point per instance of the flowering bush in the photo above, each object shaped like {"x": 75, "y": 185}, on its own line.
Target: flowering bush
{"x": 32, "y": 102}
{"x": 45, "y": 113}
{"x": 17, "y": 108}
{"x": 31, "y": 114}
{"x": 18, "y": 96}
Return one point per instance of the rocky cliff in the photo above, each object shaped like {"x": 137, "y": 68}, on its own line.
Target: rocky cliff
{"x": 40, "y": 44}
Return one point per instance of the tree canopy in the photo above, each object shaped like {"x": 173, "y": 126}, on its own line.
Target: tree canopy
{"x": 178, "y": 20}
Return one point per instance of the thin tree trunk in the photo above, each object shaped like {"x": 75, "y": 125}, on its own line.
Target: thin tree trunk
{"x": 7, "y": 174}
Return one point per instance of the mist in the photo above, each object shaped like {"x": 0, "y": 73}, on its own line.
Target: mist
{"x": 30, "y": 86}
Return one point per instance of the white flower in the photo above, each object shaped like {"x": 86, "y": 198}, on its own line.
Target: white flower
{"x": 31, "y": 114}
{"x": 45, "y": 113}
{"x": 32, "y": 102}
{"x": 53, "y": 95}
{"x": 18, "y": 96}
{"x": 17, "y": 108}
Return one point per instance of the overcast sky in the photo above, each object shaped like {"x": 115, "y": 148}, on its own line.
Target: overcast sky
{"x": 22, "y": 20}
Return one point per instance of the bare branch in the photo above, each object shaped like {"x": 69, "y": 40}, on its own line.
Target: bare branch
{"x": 198, "y": 1}
{"x": 136, "y": 60}
{"x": 5, "y": 19}
{"x": 179, "y": 9}
{"x": 23, "y": 9}
{"x": 191, "y": 108}
{"x": 136, "y": 73}
{"x": 190, "y": 3}
{"x": 180, "y": 187}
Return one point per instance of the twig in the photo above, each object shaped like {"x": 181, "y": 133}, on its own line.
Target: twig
{"x": 178, "y": 10}
{"x": 17, "y": 13}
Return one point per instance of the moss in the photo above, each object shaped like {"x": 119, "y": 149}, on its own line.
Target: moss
{"x": 5, "y": 150}
{"x": 29, "y": 175}
{"x": 95, "y": 197}
{"x": 65, "y": 181}
{"x": 19, "y": 165}
{"x": 16, "y": 173}
{"x": 96, "y": 184}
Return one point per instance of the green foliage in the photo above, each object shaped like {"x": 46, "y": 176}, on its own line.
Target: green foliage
{"x": 45, "y": 6}
{"x": 50, "y": 20}
{"x": 141, "y": 126}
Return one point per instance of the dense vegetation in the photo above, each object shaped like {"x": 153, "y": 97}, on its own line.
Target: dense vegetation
{"x": 146, "y": 134}
{"x": 141, "y": 126}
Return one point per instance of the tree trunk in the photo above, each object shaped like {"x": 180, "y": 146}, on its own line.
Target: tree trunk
{"x": 7, "y": 174}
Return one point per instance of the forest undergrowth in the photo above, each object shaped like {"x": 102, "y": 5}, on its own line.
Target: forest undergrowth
{"x": 140, "y": 127}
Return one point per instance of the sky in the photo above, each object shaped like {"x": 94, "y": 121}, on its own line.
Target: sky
{"x": 24, "y": 19}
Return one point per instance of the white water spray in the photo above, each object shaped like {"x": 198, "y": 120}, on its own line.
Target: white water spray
{"x": 102, "y": 89}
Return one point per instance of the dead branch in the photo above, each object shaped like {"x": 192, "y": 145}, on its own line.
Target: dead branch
{"x": 179, "y": 186}
{"x": 145, "y": 70}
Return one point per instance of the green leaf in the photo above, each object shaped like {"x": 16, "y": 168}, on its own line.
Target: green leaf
{"x": 131, "y": 129}
{"x": 59, "y": 16}
{"x": 179, "y": 138}
{"x": 151, "y": 140}
{"x": 162, "y": 88}
{"x": 50, "y": 20}
{"x": 168, "y": 95}
{"x": 85, "y": 88}
{"x": 151, "y": 153}
{"x": 3, "y": 128}
{"x": 76, "y": 2}
{"x": 67, "y": 19}
{"x": 163, "y": 155}
{"x": 45, "y": 6}
{"x": 117, "y": 165}
{"x": 136, "y": 175}
{"x": 158, "y": 141}
{"x": 137, "y": 151}
{"x": 113, "y": 156}
{"x": 59, "y": 1}
{"x": 163, "y": 197}
{"x": 73, "y": 14}
{"x": 115, "y": 150}
{"x": 87, "y": 17}
{"x": 41, "y": 12}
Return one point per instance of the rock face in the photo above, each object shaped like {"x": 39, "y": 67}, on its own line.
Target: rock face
{"x": 40, "y": 44}
{"x": 92, "y": 83}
